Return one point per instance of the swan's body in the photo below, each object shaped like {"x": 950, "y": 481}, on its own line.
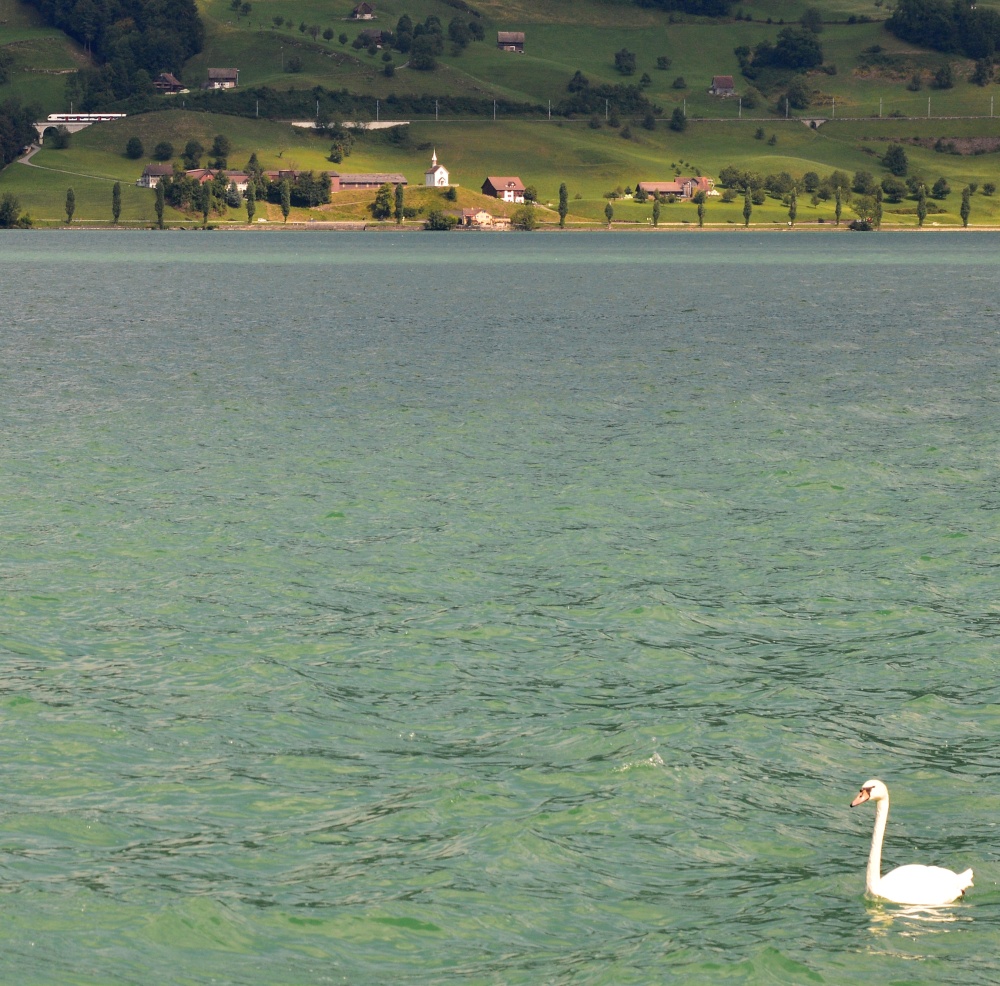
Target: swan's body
{"x": 913, "y": 884}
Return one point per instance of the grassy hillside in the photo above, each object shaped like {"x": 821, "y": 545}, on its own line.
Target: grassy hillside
{"x": 544, "y": 154}
{"x": 874, "y": 72}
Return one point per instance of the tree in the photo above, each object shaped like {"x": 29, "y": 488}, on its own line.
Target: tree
{"x": 439, "y": 221}
{"x": 159, "y": 204}
{"x": 134, "y": 148}
{"x": 383, "y": 205}
{"x": 222, "y": 146}
{"x": 563, "y": 205}
{"x": 989, "y": 188}
{"x": 838, "y": 204}
{"x": 342, "y": 38}
{"x": 983, "y": 72}
{"x": 286, "y": 199}
{"x": 116, "y": 202}
{"x": 60, "y": 139}
{"x": 400, "y": 209}
{"x": 941, "y": 188}
{"x": 656, "y": 211}
{"x": 894, "y": 188}
{"x": 877, "y": 211}
{"x": 700, "y": 201}
{"x": 895, "y": 160}
{"x": 966, "y": 205}
{"x": 812, "y": 20}
{"x": 921, "y": 205}
{"x": 793, "y": 208}
{"x": 206, "y": 202}
{"x": 10, "y": 213}
{"x": 525, "y": 218}
{"x": 944, "y": 78}
{"x": 747, "y": 208}
{"x": 609, "y": 214}
{"x": 251, "y": 201}
{"x": 163, "y": 151}
{"x": 678, "y": 121}
{"x": 70, "y": 204}
{"x": 422, "y": 53}
{"x": 625, "y": 61}
{"x": 328, "y": 35}
{"x": 192, "y": 155}
{"x": 662, "y": 62}
{"x": 679, "y": 83}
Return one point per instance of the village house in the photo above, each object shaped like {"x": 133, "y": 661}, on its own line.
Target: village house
{"x": 222, "y": 78}
{"x": 152, "y": 174}
{"x": 722, "y": 85}
{"x": 203, "y": 175}
{"x": 363, "y": 12}
{"x": 436, "y": 176}
{"x": 511, "y": 41}
{"x": 167, "y": 83}
{"x": 371, "y": 36}
{"x": 475, "y": 218}
{"x": 682, "y": 188}
{"x": 508, "y": 189}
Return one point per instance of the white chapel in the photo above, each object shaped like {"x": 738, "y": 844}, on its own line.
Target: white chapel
{"x": 437, "y": 174}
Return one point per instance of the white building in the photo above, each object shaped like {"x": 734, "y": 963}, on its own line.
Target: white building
{"x": 436, "y": 176}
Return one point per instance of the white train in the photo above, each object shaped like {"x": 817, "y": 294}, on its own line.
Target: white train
{"x": 83, "y": 117}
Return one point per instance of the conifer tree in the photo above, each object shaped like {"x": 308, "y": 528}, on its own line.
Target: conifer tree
{"x": 70, "y": 204}
{"x": 563, "y": 205}
{"x": 116, "y": 202}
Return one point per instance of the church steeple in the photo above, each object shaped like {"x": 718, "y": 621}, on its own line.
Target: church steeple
{"x": 434, "y": 158}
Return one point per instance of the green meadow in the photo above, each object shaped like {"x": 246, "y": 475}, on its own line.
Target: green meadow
{"x": 543, "y": 153}
{"x": 868, "y": 100}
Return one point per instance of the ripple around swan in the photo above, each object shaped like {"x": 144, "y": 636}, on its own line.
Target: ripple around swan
{"x": 457, "y": 610}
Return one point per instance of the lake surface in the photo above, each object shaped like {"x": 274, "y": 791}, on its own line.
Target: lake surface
{"x": 496, "y": 609}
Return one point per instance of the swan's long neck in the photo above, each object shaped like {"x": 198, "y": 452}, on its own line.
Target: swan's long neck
{"x": 873, "y": 876}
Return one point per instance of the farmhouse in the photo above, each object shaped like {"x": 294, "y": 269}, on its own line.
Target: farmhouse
{"x": 222, "y": 78}
{"x": 682, "y": 188}
{"x": 371, "y": 36}
{"x": 511, "y": 41}
{"x": 165, "y": 82}
{"x": 152, "y": 174}
{"x": 363, "y": 12}
{"x": 437, "y": 174}
{"x": 722, "y": 85}
{"x": 509, "y": 189}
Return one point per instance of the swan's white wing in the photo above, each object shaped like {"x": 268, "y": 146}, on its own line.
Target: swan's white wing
{"x": 928, "y": 885}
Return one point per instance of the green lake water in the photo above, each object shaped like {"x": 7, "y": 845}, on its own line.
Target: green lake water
{"x": 495, "y": 609}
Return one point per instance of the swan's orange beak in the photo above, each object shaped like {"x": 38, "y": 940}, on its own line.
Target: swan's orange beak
{"x": 862, "y": 797}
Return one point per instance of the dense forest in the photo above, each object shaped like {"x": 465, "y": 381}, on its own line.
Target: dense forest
{"x": 132, "y": 40}
{"x": 947, "y": 26}
{"x": 16, "y": 130}
{"x": 700, "y": 8}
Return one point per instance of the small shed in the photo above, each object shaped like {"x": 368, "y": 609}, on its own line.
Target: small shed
{"x": 722, "y": 85}
{"x": 363, "y": 12}
{"x": 511, "y": 41}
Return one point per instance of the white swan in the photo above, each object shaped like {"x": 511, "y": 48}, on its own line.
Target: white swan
{"x": 914, "y": 884}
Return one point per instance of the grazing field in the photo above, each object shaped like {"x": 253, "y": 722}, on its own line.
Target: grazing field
{"x": 592, "y": 163}
{"x": 874, "y": 89}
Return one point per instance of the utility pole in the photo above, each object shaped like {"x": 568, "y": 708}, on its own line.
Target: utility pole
{"x": 740, "y": 114}
{"x": 880, "y": 107}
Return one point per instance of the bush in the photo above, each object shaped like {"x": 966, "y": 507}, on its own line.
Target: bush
{"x": 941, "y": 189}
{"x": 678, "y": 121}
{"x": 895, "y": 161}
{"x": 625, "y": 61}
{"x": 439, "y": 221}
{"x": 679, "y": 83}
{"x": 134, "y": 148}
{"x": 663, "y": 63}
{"x": 525, "y": 218}
{"x": 163, "y": 151}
